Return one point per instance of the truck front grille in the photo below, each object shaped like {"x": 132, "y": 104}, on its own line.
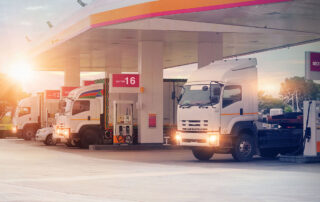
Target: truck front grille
{"x": 194, "y": 125}
{"x": 194, "y": 140}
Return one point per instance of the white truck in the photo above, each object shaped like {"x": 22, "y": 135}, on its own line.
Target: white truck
{"x": 217, "y": 112}
{"x": 79, "y": 123}
{"x": 35, "y": 112}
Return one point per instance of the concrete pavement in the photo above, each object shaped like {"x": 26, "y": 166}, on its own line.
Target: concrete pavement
{"x": 30, "y": 171}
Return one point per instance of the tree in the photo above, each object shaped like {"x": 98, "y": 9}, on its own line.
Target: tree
{"x": 267, "y": 102}
{"x": 295, "y": 90}
{"x": 10, "y": 93}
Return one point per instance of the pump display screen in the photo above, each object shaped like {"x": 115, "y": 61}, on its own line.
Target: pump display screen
{"x": 200, "y": 94}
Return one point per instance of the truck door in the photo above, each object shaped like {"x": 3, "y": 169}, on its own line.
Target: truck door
{"x": 80, "y": 113}
{"x": 231, "y": 106}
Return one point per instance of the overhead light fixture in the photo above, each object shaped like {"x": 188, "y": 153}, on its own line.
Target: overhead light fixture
{"x": 27, "y": 38}
{"x": 81, "y": 3}
{"x": 49, "y": 24}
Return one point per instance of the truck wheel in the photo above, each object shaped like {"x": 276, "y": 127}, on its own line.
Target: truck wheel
{"x": 49, "y": 140}
{"x": 269, "y": 153}
{"x": 69, "y": 143}
{"x": 89, "y": 137}
{"x": 202, "y": 154}
{"x": 28, "y": 133}
{"x": 244, "y": 148}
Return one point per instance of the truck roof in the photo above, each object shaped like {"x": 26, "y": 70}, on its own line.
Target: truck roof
{"x": 90, "y": 91}
{"x": 223, "y": 70}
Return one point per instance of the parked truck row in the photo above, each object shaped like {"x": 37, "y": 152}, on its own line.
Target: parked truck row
{"x": 216, "y": 112}
{"x": 85, "y": 115}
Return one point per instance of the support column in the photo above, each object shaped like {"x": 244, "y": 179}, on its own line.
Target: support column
{"x": 113, "y": 61}
{"x": 210, "y": 48}
{"x": 150, "y": 68}
{"x": 72, "y": 72}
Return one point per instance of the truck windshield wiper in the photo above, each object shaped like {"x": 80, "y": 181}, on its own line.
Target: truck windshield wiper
{"x": 204, "y": 105}
{"x": 186, "y": 105}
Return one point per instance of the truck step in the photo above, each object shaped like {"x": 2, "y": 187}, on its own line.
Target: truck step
{"x": 135, "y": 147}
{"x": 300, "y": 159}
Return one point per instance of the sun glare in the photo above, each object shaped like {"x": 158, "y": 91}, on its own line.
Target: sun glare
{"x": 269, "y": 88}
{"x": 20, "y": 71}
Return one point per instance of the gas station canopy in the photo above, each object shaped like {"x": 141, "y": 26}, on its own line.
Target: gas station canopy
{"x": 237, "y": 27}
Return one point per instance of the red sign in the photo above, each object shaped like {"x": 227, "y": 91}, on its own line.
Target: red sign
{"x": 88, "y": 82}
{"x": 125, "y": 80}
{"x": 152, "y": 120}
{"x": 52, "y": 94}
{"x": 315, "y": 62}
{"x": 65, "y": 90}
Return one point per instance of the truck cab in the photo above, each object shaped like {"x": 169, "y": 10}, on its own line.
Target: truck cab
{"x": 217, "y": 110}
{"x": 79, "y": 122}
{"x": 26, "y": 117}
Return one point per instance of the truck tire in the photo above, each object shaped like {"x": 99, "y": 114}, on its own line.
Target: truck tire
{"x": 244, "y": 148}
{"x": 69, "y": 143}
{"x": 49, "y": 140}
{"x": 28, "y": 133}
{"x": 89, "y": 137}
{"x": 202, "y": 154}
{"x": 269, "y": 153}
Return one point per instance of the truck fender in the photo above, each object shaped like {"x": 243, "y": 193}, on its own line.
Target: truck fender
{"x": 31, "y": 125}
{"x": 85, "y": 123}
{"x": 236, "y": 120}
{"x": 95, "y": 127}
{"x": 248, "y": 126}
{"x": 245, "y": 126}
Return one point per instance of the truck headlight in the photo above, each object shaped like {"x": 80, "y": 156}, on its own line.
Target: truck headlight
{"x": 213, "y": 138}
{"x": 66, "y": 133}
{"x": 178, "y": 137}
{"x": 14, "y": 129}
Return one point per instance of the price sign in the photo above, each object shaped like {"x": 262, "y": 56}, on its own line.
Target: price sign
{"x": 315, "y": 62}
{"x": 65, "y": 90}
{"x": 312, "y": 69}
{"x": 152, "y": 120}
{"x": 52, "y": 94}
{"x": 125, "y": 80}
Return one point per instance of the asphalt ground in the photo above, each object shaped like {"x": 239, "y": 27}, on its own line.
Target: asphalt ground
{"x": 30, "y": 171}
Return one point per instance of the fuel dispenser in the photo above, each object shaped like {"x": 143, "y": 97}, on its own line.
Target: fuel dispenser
{"x": 123, "y": 122}
{"x": 311, "y": 128}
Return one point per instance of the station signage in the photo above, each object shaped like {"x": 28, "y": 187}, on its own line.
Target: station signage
{"x": 125, "y": 80}
{"x": 152, "y": 120}
{"x": 65, "y": 90}
{"x": 88, "y": 82}
{"x": 52, "y": 94}
{"x": 312, "y": 68}
{"x": 315, "y": 62}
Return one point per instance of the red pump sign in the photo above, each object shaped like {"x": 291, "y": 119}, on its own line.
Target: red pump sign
{"x": 52, "y": 94}
{"x": 125, "y": 80}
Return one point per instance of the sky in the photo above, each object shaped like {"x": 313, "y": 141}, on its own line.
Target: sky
{"x": 23, "y": 20}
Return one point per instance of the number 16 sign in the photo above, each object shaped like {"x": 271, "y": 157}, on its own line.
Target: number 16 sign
{"x": 125, "y": 80}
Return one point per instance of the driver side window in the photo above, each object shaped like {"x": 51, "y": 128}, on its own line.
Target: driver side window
{"x": 24, "y": 111}
{"x": 231, "y": 94}
{"x": 80, "y": 106}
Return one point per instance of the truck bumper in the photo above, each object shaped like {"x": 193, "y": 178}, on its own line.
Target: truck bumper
{"x": 63, "y": 139}
{"x": 210, "y": 139}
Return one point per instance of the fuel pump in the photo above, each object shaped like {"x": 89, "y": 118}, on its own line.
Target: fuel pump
{"x": 311, "y": 128}
{"x": 123, "y": 122}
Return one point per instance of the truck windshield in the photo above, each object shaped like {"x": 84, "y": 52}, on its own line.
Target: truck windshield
{"x": 200, "y": 95}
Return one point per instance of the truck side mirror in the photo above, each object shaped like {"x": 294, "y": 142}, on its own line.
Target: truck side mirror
{"x": 179, "y": 98}
{"x": 214, "y": 99}
{"x": 216, "y": 92}
{"x": 173, "y": 95}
